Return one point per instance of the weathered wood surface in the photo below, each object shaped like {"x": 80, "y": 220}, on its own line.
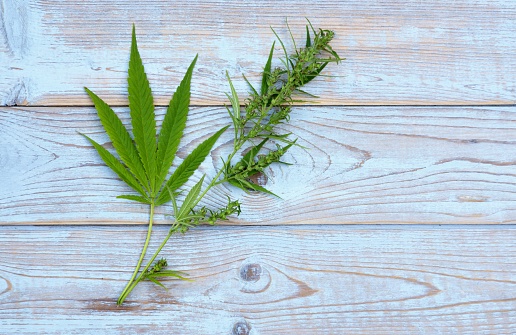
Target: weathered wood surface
{"x": 363, "y": 165}
{"x": 299, "y": 269}
{"x": 399, "y": 52}
{"x": 297, "y": 280}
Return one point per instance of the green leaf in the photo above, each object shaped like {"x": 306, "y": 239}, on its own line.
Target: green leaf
{"x": 250, "y": 85}
{"x": 286, "y": 61}
{"x": 235, "y": 103}
{"x": 267, "y": 71}
{"x": 170, "y": 273}
{"x": 117, "y": 167}
{"x": 306, "y": 93}
{"x": 142, "y": 113}
{"x": 291, "y": 63}
{"x": 190, "y": 200}
{"x": 256, "y": 187}
{"x": 292, "y": 38}
{"x": 314, "y": 73}
{"x": 248, "y": 186}
{"x": 174, "y": 202}
{"x": 332, "y": 52}
{"x": 189, "y": 165}
{"x": 134, "y": 198}
{"x": 173, "y": 126}
{"x": 311, "y": 26}
{"x": 235, "y": 115}
{"x": 251, "y": 154}
{"x": 122, "y": 141}
{"x": 157, "y": 282}
{"x": 308, "y": 38}
{"x": 284, "y": 149}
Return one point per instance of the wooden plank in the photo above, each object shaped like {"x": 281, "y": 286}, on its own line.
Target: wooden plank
{"x": 297, "y": 280}
{"x": 440, "y": 165}
{"x": 410, "y": 52}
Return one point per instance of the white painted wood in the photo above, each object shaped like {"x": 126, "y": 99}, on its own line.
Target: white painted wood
{"x": 410, "y": 52}
{"x": 15, "y": 38}
{"x": 381, "y": 165}
{"x": 306, "y": 280}
{"x": 308, "y": 272}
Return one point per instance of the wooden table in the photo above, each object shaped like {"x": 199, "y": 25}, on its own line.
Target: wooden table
{"x": 397, "y": 218}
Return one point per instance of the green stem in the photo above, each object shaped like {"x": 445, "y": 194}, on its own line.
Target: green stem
{"x": 133, "y": 283}
{"x": 215, "y": 181}
{"x": 237, "y": 146}
{"x": 142, "y": 256}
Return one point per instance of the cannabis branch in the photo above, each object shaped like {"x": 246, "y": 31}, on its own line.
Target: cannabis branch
{"x": 145, "y": 159}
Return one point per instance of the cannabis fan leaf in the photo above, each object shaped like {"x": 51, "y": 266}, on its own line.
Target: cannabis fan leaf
{"x": 144, "y": 163}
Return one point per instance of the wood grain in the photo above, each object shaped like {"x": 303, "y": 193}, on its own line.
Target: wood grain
{"x": 439, "y": 165}
{"x": 297, "y": 280}
{"x": 304, "y": 264}
{"x": 410, "y": 52}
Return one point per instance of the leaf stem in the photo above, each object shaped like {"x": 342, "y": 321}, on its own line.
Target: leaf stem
{"x": 131, "y": 285}
{"x": 215, "y": 180}
{"x": 128, "y": 288}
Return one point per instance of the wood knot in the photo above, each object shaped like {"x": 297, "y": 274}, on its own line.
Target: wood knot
{"x": 251, "y": 272}
{"x": 254, "y": 277}
{"x": 241, "y": 328}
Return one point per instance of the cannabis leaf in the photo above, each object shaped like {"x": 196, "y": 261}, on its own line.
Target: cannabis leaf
{"x": 189, "y": 166}
{"x": 143, "y": 162}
